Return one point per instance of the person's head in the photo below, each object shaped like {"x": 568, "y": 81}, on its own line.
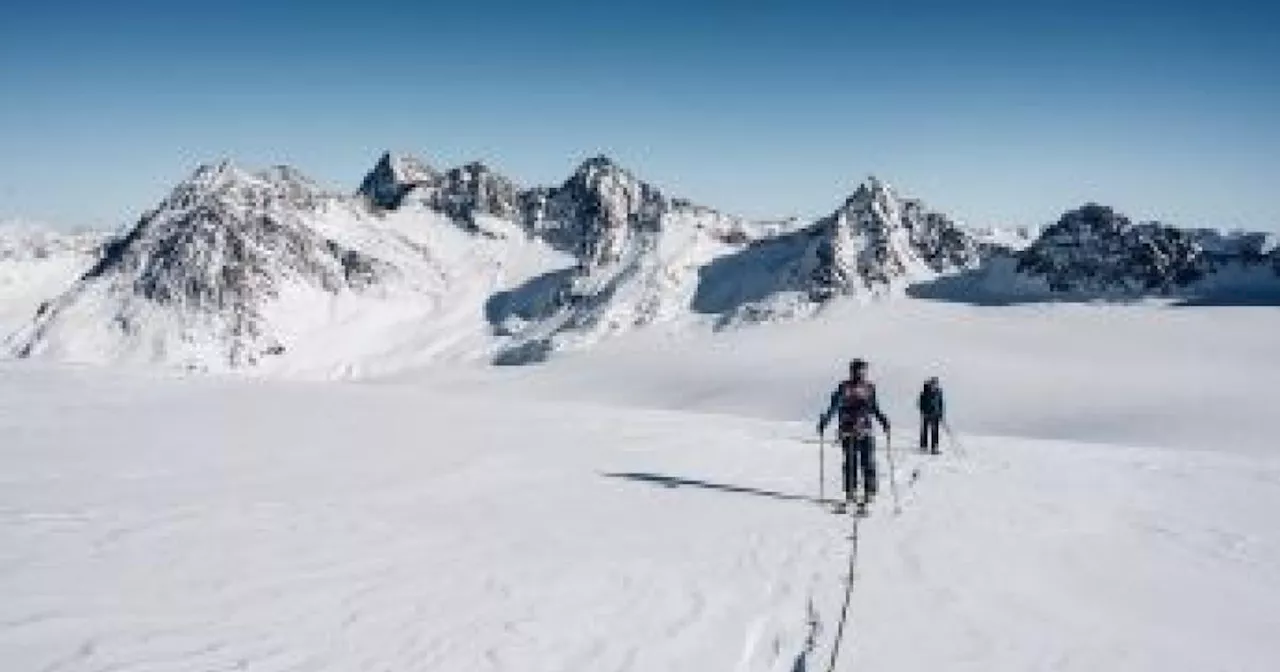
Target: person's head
{"x": 857, "y": 369}
{"x": 932, "y": 382}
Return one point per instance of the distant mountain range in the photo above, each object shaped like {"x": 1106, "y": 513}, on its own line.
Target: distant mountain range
{"x": 267, "y": 271}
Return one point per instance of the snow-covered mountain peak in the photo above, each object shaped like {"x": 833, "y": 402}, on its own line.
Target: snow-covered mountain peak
{"x": 599, "y": 163}
{"x": 224, "y": 184}
{"x": 214, "y": 177}
{"x": 639, "y": 254}
{"x": 615, "y": 189}
{"x": 877, "y": 240}
{"x": 289, "y": 179}
{"x": 874, "y": 204}
{"x": 1096, "y": 250}
{"x": 193, "y": 278}
{"x": 473, "y": 189}
{"x": 873, "y": 189}
{"x": 603, "y": 175}
{"x": 593, "y": 213}
{"x": 393, "y": 177}
{"x": 475, "y": 168}
{"x": 405, "y": 168}
{"x": 462, "y": 192}
{"x": 1088, "y": 221}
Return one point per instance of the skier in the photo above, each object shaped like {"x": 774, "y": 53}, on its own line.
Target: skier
{"x": 931, "y": 409}
{"x": 855, "y": 402}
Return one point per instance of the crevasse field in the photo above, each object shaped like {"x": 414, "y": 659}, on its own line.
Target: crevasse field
{"x": 649, "y": 505}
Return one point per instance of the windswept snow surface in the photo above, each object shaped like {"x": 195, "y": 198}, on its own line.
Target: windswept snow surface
{"x": 558, "y": 518}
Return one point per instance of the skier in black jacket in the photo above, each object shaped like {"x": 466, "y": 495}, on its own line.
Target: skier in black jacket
{"x": 854, "y": 400}
{"x": 931, "y": 411}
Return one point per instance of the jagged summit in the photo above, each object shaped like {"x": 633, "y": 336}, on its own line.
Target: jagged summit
{"x": 878, "y": 239}
{"x": 463, "y": 193}
{"x": 600, "y": 173}
{"x": 226, "y": 183}
{"x": 873, "y": 201}
{"x": 594, "y": 212}
{"x": 291, "y": 179}
{"x": 639, "y": 256}
{"x": 393, "y": 176}
{"x": 207, "y": 180}
{"x": 591, "y": 214}
{"x": 602, "y": 163}
{"x": 597, "y": 162}
{"x": 475, "y": 189}
{"x": 601, "y": 169}
{"x": 872, "y": 189}
{"x": 214, "y": 171}
{"x": 1096, "y": 249}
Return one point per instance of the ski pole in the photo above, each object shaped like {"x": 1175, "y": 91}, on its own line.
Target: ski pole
{"x": 822, "y": 468}
{"x": 893, "y": 479}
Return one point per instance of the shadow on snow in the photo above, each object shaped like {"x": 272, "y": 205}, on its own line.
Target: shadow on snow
{"x": 667, "y": 481}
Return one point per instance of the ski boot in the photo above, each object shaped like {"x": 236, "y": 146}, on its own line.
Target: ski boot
{"x": 842, "y": 506}
{"x": 865, "y": 502}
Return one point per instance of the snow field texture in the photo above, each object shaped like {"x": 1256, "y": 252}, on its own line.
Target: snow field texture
{"x": 648, "y": 505}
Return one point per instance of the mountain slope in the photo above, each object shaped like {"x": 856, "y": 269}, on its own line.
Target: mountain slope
{"x": 644, "y": 258}
{"x": 875, "y": 244}
{"x": 637, "y": 256}
{"x": 235, "y": 269}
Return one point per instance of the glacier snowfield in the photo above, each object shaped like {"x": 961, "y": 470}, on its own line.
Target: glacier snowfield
{"x": 648, "y": 505}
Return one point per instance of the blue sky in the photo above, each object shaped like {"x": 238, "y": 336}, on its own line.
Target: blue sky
{"x": 1000, "y": 113}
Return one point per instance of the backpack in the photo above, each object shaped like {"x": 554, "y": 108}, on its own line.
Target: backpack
{"x": 856, "y": 408}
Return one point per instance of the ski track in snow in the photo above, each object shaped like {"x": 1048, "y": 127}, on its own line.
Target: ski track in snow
{"x": 209, "y": 524}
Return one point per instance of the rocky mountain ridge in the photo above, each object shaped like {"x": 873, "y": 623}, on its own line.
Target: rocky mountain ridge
{"x": 236, "y": 269}
{"x": 1096, "y": 251}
